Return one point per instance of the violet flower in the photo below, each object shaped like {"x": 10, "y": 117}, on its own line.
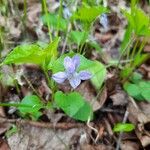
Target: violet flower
{"x": 71, "y": 65}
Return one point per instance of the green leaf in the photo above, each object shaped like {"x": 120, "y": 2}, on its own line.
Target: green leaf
{"x": 51, "y": 52}
{"x": 95, "y": 45}
{"x": 98, "y": 71}
{"x": 127, "y": 39}
{"x": 89, "y": 14}
{"x": 130, "y": 19}
{"x": 139, "y": 59}
{"x": 139, "y": 21}
{"x": 133, "y": 90}
{"x": 55, "y": 21}
{"x": 25, "y": 54}
{"x": 123, "y": 127}
{"x": 136, "y": 77}
{"x": 57, "y": 65}
{"x": 74, "y": 105}
{"x": 145, "y": 89}
{"x": 32, "y": 105}
{"x": 33, "y": 53}
{"x": 78, "y": 37}
{"x": 11, "y": 131}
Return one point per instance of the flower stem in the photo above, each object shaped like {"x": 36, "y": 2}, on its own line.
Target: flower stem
{"x": 46, "y": 13}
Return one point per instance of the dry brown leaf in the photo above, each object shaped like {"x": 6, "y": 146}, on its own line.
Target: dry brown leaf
{"x": 129, "y": 145}
{"x": 139, "y": 115}
{"x": 119, "y": 98}
{"x": 34, "y": 138}
{"x": 98, "y": 147}
{"x": 4, "y": 145}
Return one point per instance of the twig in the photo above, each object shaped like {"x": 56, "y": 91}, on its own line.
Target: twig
{"x": 64, "y": 126}
{"x": 11, "y": 7}
{"x": 31, "y": 86}
{"x": 65, "y": 42}
{"x": 120, "y": 134}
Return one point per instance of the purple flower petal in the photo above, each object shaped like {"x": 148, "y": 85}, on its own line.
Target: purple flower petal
{"x": 84, "y": 75}
{"x": 74, "y": 82}
{"x": 76, "y": 61}
{"x": 69, "y": 65}
{"x": 59, "y": 77}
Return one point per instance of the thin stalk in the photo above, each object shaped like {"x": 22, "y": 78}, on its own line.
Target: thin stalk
{"x": 14, "y": 105}
{"x": 81, "y": 47}
{"x": 142, "y": 46}
{"x": 25, "y": 11}
{"x": 47, "y": 77}
{"x": 1, "y": 41}
{"x": 121, "y": 133}
{"x": 48, "y": 24}
{"x": 59, "y": 16}
{"x": 134, "y": 49}
{"x": 124, "y": 50}
{"x": 139, "y": 51}
{"x": 66, "y": 39}
{"x": 31, "y": 86}
{"x": 50, "y": 84}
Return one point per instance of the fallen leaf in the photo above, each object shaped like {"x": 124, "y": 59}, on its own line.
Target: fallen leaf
{"x": 119, "y": 98}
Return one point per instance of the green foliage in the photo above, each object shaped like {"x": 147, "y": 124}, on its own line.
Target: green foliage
{"x": 99, "y": 73}
{"x": 55, "y": 21}
{"x": 138, "y": 21}
{"x": 88, "y": 14}
{"x": 78, "y": 37}
{"x": 123, "y": 127}
{"x": 11, "y": 131}
{"x": 25, "y": 54}
{"x": 95, "y": 45}
{"x": 136, "y": 77}
{"x": 138, "y": 88}
{"x": 97, "y": 69}
{"x": 74, "y": 105}
{"x": 127, "y": 39}
{"x": 30, "y": 106}
{"x": 129, "y": 68}
{"x": 51, "y": 52}
{"x": 32, "y": 53}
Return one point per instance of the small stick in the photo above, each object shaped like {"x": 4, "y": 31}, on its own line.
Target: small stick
{"x": 121, "y": 133}
{"x": 64, "y": 126}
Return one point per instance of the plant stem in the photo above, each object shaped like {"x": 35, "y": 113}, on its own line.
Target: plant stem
{"x": 121, "y": 133}
{"x": 47, "y": 77}
{"x": 14, "y": 105}
{"x": 59, "y": 16}
{"x": 124, "y": 50}
{"x": 25, "y": 11}
{"x": 134, "y": 49}
{"x": 48, "y": 24}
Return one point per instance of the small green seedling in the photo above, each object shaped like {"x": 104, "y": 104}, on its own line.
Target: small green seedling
{"x": 138, "y": 88}
{"x": 11, "y": 131}
{"x": 30, "y": 107}
{"x": 123, "y": 127}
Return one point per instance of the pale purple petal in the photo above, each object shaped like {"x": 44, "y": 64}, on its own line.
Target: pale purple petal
{"x": 69, "y": 65}
{"x": 84, "y": 75}
{"x": 74, "y": 82}
{"x": 59, "y": 77}
{"x": 76, "y": 61}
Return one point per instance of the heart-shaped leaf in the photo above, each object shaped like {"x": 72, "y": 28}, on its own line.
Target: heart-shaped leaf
{"x": 74, "y": 105}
